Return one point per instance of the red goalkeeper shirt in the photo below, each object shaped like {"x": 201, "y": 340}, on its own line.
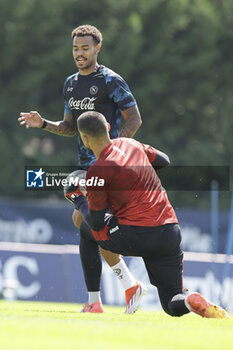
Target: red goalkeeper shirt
{"x": 123, "y": 179}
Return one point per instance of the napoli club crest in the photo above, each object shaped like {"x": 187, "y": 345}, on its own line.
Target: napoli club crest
{"x": 93, "y": 90}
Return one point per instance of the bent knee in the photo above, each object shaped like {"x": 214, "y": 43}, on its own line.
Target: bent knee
{"x": 176, "y": 309}
{"x": 77, "y": 218}
{"x": 174, "y": 314}
{"x": 171, "y": 312}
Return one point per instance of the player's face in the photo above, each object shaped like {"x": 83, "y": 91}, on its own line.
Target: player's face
{"x": 85, "y": 53}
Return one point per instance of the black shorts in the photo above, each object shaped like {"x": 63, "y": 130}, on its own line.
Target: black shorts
{"x": 160, "y": 248}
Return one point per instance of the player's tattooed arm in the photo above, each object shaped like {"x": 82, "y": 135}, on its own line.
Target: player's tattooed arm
{"x": 64, "y": 127}
{"x": 133, "y": 121}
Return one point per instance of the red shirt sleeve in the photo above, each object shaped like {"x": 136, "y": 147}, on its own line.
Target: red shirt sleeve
{"x": 96, "y": 189}
{"x": 150, "y": 152}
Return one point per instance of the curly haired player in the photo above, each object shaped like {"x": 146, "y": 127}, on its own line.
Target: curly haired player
{"x": 93, "y": 87}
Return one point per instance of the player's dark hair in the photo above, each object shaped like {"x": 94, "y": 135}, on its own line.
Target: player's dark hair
{"x": 88, "y": 30}
{"x": 92, "y": 123}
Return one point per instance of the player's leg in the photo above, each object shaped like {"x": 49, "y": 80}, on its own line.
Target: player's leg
{"x": 176, "y": 303}
{"x": 165, "y": 268}
{"x": 92, "y": 268}
{"x": 111, "y": 258}
{"x": 160, "y": 247}
{"x": 114, "y": 260}
{"x": 133, "y": 290}
{"x": 166, "y": 273}
{"x": 163, "y": 259}
{"x": 119, "y": 268}
{"x": 77, "y": 218}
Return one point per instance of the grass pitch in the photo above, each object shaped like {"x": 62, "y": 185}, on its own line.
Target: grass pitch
{"x": 42, "y": 326}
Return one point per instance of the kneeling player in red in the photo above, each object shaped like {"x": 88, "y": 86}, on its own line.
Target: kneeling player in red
{"x": 134, "y": 290}
{"x": 143, "y": 222}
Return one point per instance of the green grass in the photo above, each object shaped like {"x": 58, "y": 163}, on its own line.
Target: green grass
{"x": 42, "y": 326}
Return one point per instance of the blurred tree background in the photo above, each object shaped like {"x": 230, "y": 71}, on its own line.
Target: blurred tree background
{"x": 176, "y": 55}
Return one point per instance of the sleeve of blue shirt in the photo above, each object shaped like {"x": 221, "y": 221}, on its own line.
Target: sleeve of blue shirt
{"x": 66, "y": 106}
{"x": 119, "y": 92}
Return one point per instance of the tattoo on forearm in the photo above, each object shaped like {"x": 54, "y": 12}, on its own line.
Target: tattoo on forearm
{"x": 132, "y": 122}
{"x": 130, "y": 128}
{"x": 60, "y": 128}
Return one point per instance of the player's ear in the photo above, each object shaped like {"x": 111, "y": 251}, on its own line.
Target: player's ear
{"x": 85, "y": 139}
{"x": 109, "y": 126}
{"x": 97, "y": 48}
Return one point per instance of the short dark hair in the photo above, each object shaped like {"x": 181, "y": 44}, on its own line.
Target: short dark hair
{"x": 88, "y": 30}
{"x": 92, "y": 123}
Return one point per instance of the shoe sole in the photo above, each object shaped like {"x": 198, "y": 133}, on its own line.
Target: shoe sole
{"x": 136, "y": 304}
{"x": 90, "y": 310}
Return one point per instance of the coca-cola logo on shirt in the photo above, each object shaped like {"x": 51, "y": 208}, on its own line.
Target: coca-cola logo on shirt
{"x": 87, "y": 103}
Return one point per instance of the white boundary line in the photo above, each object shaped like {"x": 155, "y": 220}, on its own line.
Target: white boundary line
{"x": 39, "y": 248}
{"x": 208, "y": 257}
{"x": 74, "y": 249}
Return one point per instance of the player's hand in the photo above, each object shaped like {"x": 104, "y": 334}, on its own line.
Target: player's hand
{"x": 72, "y": 195}
{"x": 73, "y": 189}
{"x": 31, "y": 120}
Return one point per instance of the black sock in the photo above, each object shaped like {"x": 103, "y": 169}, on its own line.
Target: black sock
{"x": 91, "y": 262}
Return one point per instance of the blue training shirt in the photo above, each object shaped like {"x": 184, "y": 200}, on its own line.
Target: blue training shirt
{"x": 103, "y": 91}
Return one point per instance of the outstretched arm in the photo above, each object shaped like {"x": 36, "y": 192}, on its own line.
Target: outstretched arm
{"x": 133, "y": 121}
{"x": 157, "y": 158}
{"x": 161, "y": 160}
{"x": 64, "y": 127}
